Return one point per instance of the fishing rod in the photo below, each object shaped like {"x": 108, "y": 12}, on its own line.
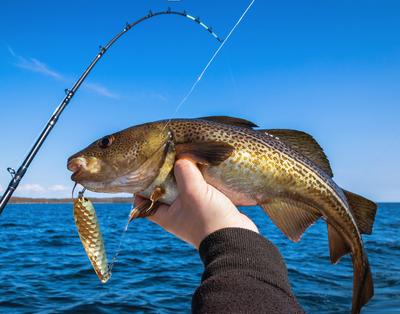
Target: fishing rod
{"x": 18, "y": 175}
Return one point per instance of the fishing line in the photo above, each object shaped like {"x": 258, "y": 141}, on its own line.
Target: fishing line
{"x": 132, "y": 208}
{"x": 112, "y": 263}
{"x": 19, "y": 174}
{"x": 201, "y": 75}
{"x": 123, "y": 234}
{"x": 233, "y": 81}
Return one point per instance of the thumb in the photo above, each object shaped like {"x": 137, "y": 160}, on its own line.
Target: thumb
{"x": 189, "y": 179}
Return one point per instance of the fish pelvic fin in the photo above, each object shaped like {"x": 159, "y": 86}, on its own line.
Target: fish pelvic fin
{"x": 231, "y": 121}
{"x": 363, "y": 286}
{"x": 146, "y": 209}
{"x": 156, "y": 195}
{"x": 363, "y": 211}
{"x": 292, "y": 217}
{"x": 205, "y": 153}
{"x": 337, "y": 246}
{"x": 305, "y": 144}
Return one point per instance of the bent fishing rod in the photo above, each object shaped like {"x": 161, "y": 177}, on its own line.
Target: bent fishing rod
{"x": 18, "y": 175}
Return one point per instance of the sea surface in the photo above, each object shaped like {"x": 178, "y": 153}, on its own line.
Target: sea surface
{"x": 44, "y": 268}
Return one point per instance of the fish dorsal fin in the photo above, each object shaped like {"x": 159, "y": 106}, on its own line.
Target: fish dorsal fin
{"x": 337, "y": 247}
{"x": 305, "y": 144}
{"x": 290, "y": 216}
{"x": 231, "y": 121}
{"x": 205, "y": 153}
{"x": 363, "y": 211}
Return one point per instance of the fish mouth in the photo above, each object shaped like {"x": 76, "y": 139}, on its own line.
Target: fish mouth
{"x": 77, "y": 166}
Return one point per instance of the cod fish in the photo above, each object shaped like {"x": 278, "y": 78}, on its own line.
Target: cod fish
{"x": 285, "y": 172}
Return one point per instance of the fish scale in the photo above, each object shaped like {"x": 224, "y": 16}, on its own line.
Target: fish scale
{"x": 287, "y": 174}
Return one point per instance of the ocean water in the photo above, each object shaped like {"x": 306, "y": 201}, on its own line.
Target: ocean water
{"x": 44, "y": 268}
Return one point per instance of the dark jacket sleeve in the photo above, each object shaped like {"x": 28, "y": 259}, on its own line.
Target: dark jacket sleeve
{"x": 244, "y": 273}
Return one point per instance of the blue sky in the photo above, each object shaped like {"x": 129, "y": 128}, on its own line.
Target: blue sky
{"x": 329, "y": 68}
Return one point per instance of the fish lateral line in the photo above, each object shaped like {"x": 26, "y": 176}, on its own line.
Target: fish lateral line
{"x": 260, "y": 168}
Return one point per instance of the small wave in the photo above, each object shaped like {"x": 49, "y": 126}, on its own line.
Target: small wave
{"x": 45, "y": 268}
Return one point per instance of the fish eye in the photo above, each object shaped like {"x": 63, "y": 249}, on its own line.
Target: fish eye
{"x": 106, "y": 141}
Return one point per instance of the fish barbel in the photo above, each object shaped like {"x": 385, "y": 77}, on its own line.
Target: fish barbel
{"x": 285, "y": 172}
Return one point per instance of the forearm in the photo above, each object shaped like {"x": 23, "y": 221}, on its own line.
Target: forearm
{"x": 244, "y": 272}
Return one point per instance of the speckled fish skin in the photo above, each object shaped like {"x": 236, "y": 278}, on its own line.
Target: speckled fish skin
{"x": 261, "y": 170}
{"x": 89, "y": 232}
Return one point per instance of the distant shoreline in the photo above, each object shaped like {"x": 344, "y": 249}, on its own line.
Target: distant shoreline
{"x": 94, "y": 200}
{"x": 28, "y": 200}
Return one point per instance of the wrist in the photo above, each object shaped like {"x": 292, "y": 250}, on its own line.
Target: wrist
{"x": 239, "y": 220}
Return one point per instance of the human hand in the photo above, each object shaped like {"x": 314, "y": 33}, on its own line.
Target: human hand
{"x": 199, "y": 210}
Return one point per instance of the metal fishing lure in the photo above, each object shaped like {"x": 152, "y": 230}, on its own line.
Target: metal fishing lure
{"x": 89, "y": 231}
{"x": 18, "y": 175}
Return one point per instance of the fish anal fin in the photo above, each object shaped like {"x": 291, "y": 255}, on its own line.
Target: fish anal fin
{"x": 205, "y": 153}
{"x": 292, "y": 217}
{"x": 363, "y": 211}
{"x": 337, "y": 246}
{"x": 305, "y": 144}
{"x": 231, "y": 121}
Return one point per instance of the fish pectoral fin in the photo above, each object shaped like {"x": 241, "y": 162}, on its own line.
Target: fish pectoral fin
{"x": 305, "y": 144}
{"x": 292, "y": 217}
{"x": 205, "y": 153}
{"x": 146, "y": 209}
{"x": 337, "y": 246}
{"x": 231, "y": 121}
{"x": 363, "y": 211}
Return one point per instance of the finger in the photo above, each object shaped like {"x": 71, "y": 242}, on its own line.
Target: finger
{"x": 167, "y": 217}
{"x": 165, "y": 214}
{"x": 138, "y": 200}
{"x": 160, "y": 213}
{"x": 160, "y": 216}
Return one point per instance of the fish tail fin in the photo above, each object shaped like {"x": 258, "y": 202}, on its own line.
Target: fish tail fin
{"x": 363, "y": 287}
